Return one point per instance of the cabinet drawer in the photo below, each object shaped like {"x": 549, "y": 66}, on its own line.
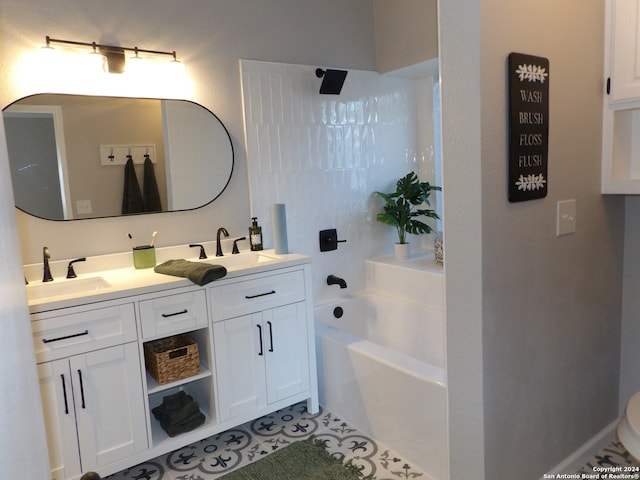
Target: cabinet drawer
{"x": 242, "y": 298}
{"x": 80, "y": 332}
{"x": 173, "y": 313}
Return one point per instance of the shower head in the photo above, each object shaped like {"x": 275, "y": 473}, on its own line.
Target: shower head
{"x": 332, "y": 80}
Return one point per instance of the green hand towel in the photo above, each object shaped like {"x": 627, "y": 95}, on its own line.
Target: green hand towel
{"x": 198, "y": 273}
{"x": 187, "y": 425}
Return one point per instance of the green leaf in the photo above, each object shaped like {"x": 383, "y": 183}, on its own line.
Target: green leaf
{"x": 399, "y": 209}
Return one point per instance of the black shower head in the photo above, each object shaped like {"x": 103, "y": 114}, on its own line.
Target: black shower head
{"x": 332, "y": 80}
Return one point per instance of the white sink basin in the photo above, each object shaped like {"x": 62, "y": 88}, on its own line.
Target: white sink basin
{"x": 63, "y": 287}
{"x": 240, "y": 260}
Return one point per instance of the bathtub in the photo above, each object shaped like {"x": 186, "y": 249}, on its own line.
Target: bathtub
{"x": 381, "y": 369}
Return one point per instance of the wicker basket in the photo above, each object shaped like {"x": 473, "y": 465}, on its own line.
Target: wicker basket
{"x": 172, "y": 358}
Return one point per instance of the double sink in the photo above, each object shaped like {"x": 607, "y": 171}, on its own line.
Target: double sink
{"x": 101, "y": 282}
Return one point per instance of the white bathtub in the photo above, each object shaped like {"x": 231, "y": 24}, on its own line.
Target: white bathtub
{"x": 381, "y": 369}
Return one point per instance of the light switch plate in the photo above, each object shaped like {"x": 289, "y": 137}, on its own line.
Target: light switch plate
{"x": 566, "y": 217}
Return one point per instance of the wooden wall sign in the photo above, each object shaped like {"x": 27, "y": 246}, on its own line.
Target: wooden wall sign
{"x": 528, "y": 126}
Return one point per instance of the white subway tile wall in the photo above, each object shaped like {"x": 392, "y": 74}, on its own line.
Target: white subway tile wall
{"x": 324, "y": 155}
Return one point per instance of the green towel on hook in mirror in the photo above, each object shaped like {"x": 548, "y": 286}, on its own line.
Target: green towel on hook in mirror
{"x": 199, "y": 273}
{"x": 150, "y": 194}
{"x": 131, "y": 196}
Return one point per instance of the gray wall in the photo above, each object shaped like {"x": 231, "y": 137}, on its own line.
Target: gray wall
{"x": 551, "y": 305}
{"x": 210, "y": 37}
{"x": 630, "y": 356}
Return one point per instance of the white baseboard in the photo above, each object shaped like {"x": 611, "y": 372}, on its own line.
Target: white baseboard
{"x": 574, "y": 461}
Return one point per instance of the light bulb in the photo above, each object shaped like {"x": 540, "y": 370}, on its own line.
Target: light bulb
{"x": 95, "y": 62}
{"x": 48, "y": 58}
{"x": 176, "y": 70}
{"x": 135, "y": 65}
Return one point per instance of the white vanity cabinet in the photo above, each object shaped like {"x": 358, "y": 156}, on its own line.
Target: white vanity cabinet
{"x": 621, "y": 105}
{"x": 256, "y": 352}
{"x": 261, "y": 334}
{"x": 91, "y": 388}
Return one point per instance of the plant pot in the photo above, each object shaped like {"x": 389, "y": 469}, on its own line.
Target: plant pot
{"x": 438, "y": 248}
{"x": 402, "y": 251}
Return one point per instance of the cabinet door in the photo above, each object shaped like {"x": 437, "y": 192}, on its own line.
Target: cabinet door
{"x": 109, "y": 400}
{"x": 624, "y": 31}
{"x": 60, "y": 419}
{"x": 287, "y": 351}
{"x": 239, "y": 354}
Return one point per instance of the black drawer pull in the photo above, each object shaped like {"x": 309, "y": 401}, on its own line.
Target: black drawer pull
{"x": 270, "y": 335}
{"x": 261, "y": 352}
{"x": 81, "y": 388}
{"x": 166, "y": 315}
{"x": 248, "y": 297}
{"x": 46, "y": 340}
{"x": 64, "y": 394}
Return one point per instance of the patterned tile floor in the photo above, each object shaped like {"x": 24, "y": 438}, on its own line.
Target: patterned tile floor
{"x": 606, "y": 462}
{"x": 215, "y": 456}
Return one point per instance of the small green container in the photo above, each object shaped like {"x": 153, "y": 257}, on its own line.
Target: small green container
{"x": 144, "y": 256}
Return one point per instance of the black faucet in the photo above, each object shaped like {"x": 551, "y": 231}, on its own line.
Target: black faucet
{"x": 70, "y": 271}
{"x": 235, "y": 245}
{"x": 333, "y": 280}
{"x": 218, "y": 244}
{"x": 46, "y": 277}
{"x": 203, "y": 254}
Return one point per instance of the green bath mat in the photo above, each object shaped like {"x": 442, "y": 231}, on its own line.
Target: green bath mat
{"x": 303, "y": 460}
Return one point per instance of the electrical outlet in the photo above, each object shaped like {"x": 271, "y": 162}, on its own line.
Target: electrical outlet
{"x": 83, "y": 207}
{"x": 566, "y": 217}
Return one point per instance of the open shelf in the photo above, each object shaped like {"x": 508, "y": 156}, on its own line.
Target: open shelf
{"x": 200, "y": 389}
{"x": 159, "y": 436}
{"x": 154, "y": 387}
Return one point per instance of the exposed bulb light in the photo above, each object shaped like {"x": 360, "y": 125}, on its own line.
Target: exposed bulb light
{"x": 176, "y": 66}
{"x": 112, "y": 58}
{"x": 95, "y": 60}
{"x": 48, "y": 56}
{"x": 135, "y": 63}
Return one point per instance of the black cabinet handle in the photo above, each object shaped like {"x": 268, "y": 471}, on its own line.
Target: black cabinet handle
{"x": 166, "y": 315}
{"x": 270, "y": 336}
{"x": 47, "y": 340}
{"x": 64, "y": 394}
{"x": 260, "y": 333}
{"x": 81, "y": 388}
{"x": 248, "y": 297}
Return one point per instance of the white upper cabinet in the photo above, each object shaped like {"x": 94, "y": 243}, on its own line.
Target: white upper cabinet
{"x": 624, "y": 37}
{"x": 621, "y": 99}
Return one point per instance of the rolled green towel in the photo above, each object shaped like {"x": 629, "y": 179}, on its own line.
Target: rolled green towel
{"x": 199, "y": 273}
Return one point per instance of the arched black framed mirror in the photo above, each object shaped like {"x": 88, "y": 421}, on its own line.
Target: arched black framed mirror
{"x": 68, "y": 154}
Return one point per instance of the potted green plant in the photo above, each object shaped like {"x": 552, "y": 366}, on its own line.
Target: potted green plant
{"x": 403, "y": 207}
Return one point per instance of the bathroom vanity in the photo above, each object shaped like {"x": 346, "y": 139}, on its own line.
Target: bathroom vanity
{"x": 255, "y": 337}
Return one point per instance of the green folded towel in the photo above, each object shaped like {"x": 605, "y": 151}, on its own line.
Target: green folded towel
{"x": 185, "y": 426}
{"x": 178, "y": 413}
{"x": 198, "y": 273}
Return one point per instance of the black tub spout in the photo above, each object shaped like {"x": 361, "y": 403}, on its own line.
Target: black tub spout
{"x": 333, "y": 280}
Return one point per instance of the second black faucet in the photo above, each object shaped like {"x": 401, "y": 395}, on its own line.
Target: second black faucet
{"x": 218, "y": 244}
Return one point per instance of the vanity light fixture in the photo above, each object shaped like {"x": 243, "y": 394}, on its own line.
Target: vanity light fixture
{"x": 332, "y": 80}
{"x": 112, "y": 57}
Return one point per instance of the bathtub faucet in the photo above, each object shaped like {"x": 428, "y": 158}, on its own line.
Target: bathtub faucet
{"x": 333, "y": 280}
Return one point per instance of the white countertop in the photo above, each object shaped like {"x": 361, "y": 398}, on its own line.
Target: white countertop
{"x": 95, "y": 285}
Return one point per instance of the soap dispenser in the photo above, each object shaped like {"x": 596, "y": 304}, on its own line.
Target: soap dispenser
{"x": 255, "y": 235}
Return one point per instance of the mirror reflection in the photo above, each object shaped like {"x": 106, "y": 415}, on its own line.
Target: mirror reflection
{"x": 76, "y": 157}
